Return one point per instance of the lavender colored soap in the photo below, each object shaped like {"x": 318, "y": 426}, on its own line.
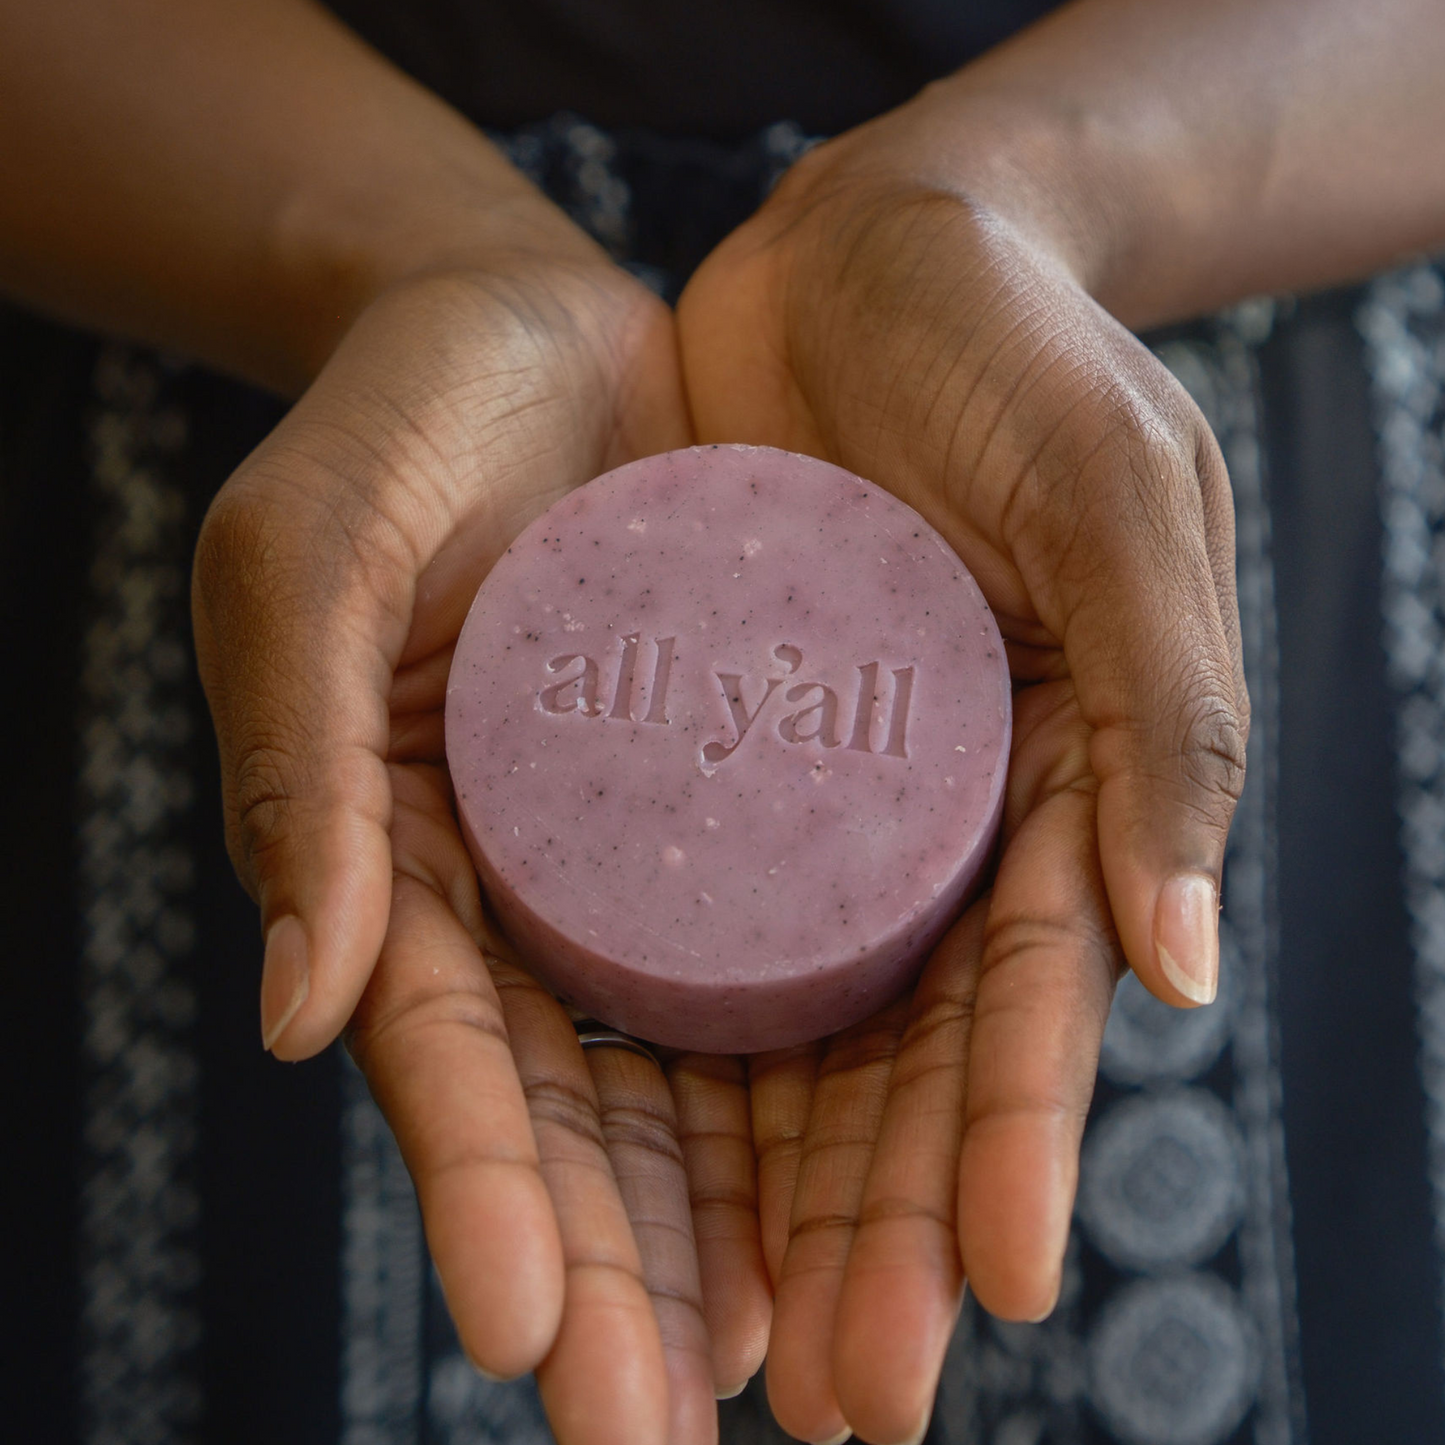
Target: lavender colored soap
{"x": 728, "y": 729}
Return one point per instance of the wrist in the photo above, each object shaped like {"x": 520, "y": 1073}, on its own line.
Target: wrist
{"x": 336, "y": 248}
{"x": 1118, "y": 197}
{"x": 1045, "y": 177}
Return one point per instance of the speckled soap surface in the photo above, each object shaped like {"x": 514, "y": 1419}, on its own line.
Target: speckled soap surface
{"x": 728, "y": 729}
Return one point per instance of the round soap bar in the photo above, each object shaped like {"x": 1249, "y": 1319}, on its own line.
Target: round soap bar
{"x": 728, "y": 729}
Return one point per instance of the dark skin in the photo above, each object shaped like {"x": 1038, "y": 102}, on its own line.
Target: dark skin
{"x": 937, "y": 300}
{"x": 934, "y": 300}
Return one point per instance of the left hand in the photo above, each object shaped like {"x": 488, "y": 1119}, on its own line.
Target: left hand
{"x": 558, "y": 1190}
{"x": 947, "y": 350}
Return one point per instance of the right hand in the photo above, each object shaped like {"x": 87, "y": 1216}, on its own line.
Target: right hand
{"x": 333, "y": 574}
{"x": 874, "y": 316}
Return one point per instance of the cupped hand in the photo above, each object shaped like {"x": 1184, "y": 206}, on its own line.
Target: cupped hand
{"x": 942, "y": 348}
{"x": 333, "y": 574}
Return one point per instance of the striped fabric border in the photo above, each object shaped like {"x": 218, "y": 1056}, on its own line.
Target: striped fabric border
{"x": 1194, "y": 1342}
{"x": 139, "y": 1261}
{"x": 1402, "y": 320}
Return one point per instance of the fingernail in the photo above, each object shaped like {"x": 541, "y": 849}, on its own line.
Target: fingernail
{"x": 838, "y": 1439}
{"x": 487, "y": 1375}
{"x": 917, "y": 1437}
{"x": 734, "y": 1392}
{"x": 1186, "y": 935}
{"x": 285, "y": 978}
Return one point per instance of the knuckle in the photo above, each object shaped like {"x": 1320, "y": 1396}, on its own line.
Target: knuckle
{"x": 869, "y": 1048}
{"x": 1212, "y": 749}
{"x": 845, "y": 1140}
{"x": 720, "y": 1202}
{"x": 1105, "y": 489}
{"x": 1042, "y": 963}
{"x": 1015, "y": 936}
{"x": 235, "y": 540}
{"x": 924, "y": 1081}
{"x": 413, "y": 1021}
{"x": 936, "y": 1022}
{"x": 1018, "y": 940}
{"x": 633, "y": 1125}
{"x": 782, "y": 1144}
{"x": 292, "y": 781}
{"x": 1151, "y": 452}
{"x": 678, "y": 1296}
{"x": 247, "y": 596}
{"x": 264, "y": 804}
{"x": 560, "y": 1105}
{"x": 888, "y": 1208}
{"x": 824, "y": 1224}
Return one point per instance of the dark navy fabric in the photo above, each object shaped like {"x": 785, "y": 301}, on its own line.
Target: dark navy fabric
{"x": 717, "y": 69}
{"x": 1354, "y": 1116}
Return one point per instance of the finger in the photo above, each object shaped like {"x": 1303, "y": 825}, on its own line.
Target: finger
{"x": 639, "y": 1124}
{"x": 1144, "y": 576}
{"x": 833, "y": 1166}
{"x": 1050, "y": 963}
{"x": 430, "y": 1037}
{"x": 605, "y": 1380}
{"x": 903, "y": 1284}
{"x": 299, "y": 615}
{"x": 715, "y": 1129}
{"x": 781, "y": 1087}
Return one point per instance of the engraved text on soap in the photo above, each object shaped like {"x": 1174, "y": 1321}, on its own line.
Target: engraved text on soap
{"x": 814, "y": 710}
{"x": 819, "y": 718}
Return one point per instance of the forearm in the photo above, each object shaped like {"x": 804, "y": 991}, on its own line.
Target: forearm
{"x": 1181, "y": 155}
{"x": 235, "y": 178}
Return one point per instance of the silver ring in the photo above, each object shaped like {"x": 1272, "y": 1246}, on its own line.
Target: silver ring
{"x": 594, "y": 1035}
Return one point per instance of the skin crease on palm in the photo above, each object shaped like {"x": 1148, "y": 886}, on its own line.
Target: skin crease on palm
{"x": 938, "y": 301}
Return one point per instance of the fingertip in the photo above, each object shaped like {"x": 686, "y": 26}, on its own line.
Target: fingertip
{"x": 616, "y": 1394}
{"x": 737, "y": 1299}
{"x": 800, "y": 1385}
{"x": 692, "y": 1401}
{"x": 1021, "y": 1296}
{"x": 493, "y": 1235}
{"x": 896, "y": 1314}
{"x": 487, "y": 1374}
{"x": 739, "y": 1334}
{"x": 1015, "y": 1204}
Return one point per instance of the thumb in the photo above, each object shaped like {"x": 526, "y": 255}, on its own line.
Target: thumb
{"x": 1155, "y": 654}
{"x": 299, "y": 612}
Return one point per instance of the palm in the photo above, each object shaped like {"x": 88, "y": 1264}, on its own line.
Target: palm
{"x": 555, "y": 1197}
{"x": 899, "y": 336}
